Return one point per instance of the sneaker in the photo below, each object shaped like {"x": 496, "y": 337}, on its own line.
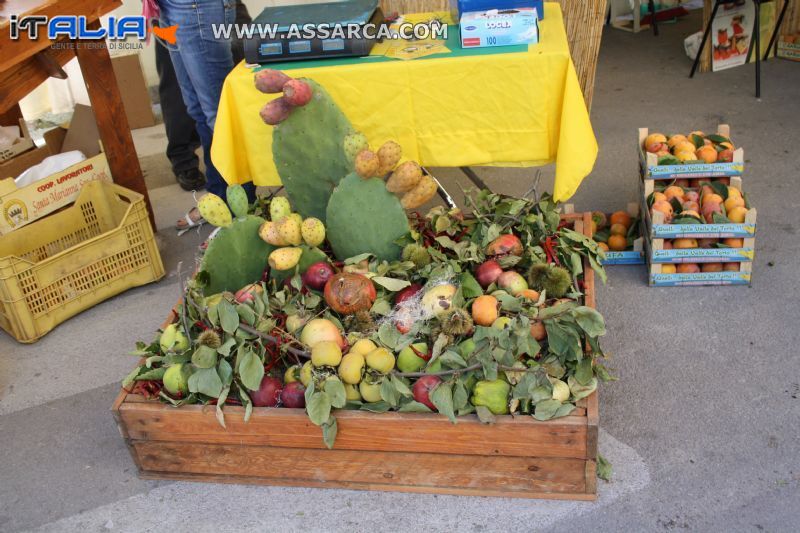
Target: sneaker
{"x": 191, "y": 180}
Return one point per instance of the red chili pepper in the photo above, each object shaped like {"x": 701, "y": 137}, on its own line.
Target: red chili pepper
{"x": 426, "y": 357}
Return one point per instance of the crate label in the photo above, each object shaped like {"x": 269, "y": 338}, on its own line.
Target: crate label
{"x": 788, "y": 50}
{"x": 27, "y": 204}
{"x": 703, "y": 231}
{"x": 703, "y": 255}
{"x": 701, "y": 278}
{"x": 627, "y": 257}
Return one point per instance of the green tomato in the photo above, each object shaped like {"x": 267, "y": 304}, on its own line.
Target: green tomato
{"x": 492, "y": 395}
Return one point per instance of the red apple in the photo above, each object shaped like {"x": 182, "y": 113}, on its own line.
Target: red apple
{"x": 513, "y": 282}
{"x": 508, "y": 244}
{"x": 268, "y": 393}
{"x": 317, "y": 275}
{"x": 407, "y": 293}
{"x": 488, "y": 272}
{"x": 247, "y": 294}
{"x": 294, "y": 395}
{"x": 422, "y": 390}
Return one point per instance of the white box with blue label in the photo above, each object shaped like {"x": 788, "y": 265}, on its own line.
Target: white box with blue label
{"x": 499, "y": 28}
{"x": 458, "y": 7}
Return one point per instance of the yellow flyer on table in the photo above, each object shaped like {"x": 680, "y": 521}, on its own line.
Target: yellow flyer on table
{"x": 412, "y": 47}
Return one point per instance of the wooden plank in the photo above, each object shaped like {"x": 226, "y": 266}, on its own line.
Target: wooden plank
{"x": 25, "y": 76}
{"x": 112, "y": 123}
{"x": 426, "y": 472}
{"x": 358, "y": 430}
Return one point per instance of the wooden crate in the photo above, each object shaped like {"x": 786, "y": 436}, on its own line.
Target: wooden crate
{"x": 515, "y": 457}
{"x": 649, "y": 169}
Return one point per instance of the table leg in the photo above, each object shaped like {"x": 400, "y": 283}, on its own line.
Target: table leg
{"x": 474, "y": 178}
{"x": 652, "y": 6}
{"x": 112, "y": 123}
{"x": 11, "y": 117}
{"x": 705, "y": 38}
{"x": 778, "y": 23}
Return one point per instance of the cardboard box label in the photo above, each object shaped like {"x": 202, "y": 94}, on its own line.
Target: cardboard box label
{"x": 704, "y": 255}
{"x": 626, "y": 257}
{"x": 703, "y": 231}
{"x": 701, "y": 278}
{"x": 789, "y": 50}
{"x": 21, "y": 206}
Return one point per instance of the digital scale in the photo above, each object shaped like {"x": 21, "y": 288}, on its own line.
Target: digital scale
{"x": 283, "y": 46}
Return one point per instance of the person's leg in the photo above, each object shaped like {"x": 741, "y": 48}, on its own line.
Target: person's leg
{"x": 242, "y": 17}
{"x": 182, "y": 137}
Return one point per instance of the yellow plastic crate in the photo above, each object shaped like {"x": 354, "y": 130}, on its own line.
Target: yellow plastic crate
{"x": 63, "y": 264}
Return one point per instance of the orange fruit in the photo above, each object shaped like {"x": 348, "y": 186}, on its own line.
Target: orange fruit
{"x": 675, "y": 140}
{"x": 698, "y": 133}
{"x": 603, "y": 246}
{"x": 733, "y": 191}
{"x": 683, "y": 244}
{"x": 667, "y": 244}
{"x": 707, "y": 154}
{"x": 711, "y": 267}
{"x": 713, "y": 198}
{"x": 737, "y": 214}
{"x": 664, "y": 207}
{"x": 686, "y": 155}
{"x": 688, "y": 268}
{"x": 617, "y": 243}
{"x": 733, "y": 243}
{"x": 731, "y": 267}
{"x": 667, "y": 269}
{"x": 618, "y": 229}
{"x": 659, "y": 196}
{"x": 530, "y": 294}
{"x": 733, "y": 201}
{"x": 691, "y": 206}
{"x": 685, "y": 146}
{"x": 620, "y": 217}
{"x": 673, "y": 192}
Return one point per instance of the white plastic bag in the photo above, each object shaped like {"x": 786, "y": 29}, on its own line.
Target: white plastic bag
{"x": 50, "y": 165}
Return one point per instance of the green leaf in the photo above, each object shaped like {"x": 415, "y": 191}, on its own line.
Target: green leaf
{"x": 251, "y": 370}
{"x": 604, "y": 470}
{"x": 225, "y": 347}
{"x": 719, "y": 218}
{"x": 229, "y": 318}
{"x": 246, "y": 313}
{"x": 206, "y": 381}
{"x": 452, "y": 359}
{"x": 389, "y": 393}
{"x": 401, "y": 387}
{"x": 204, "y": 357}
{"x": 376, "y": 407}
{"x": 698, "y": 141}
{"x": 388, "y": 335}
{"x": 329, "y": 431}
{"x": 130, "y": 378}
{"x": 152, "y": 375}
{"x": 590, "y": 321}
{"x": 391, "y": 284}
{"x": 220, "y": 402}
{"x": 484, "y": 414}
{"x": 414, "y": 407}
{"x": 247, "y": 403}
{"x": 583, "y": 371}
{"x": 717, "y": 138}
{"x": 442, "y": 398}
{"x": 225, "y": 372}
{"x": 460, "y": 395}
{"x": 469, "y": 286}
{"x": 546, "y": 409}
{"x": 335, "y": 391}
{"x": 564, "y": 410}
{"x": 581, "y": 391}
{"x": 318, "y": 408}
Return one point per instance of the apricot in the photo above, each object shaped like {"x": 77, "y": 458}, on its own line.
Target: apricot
{"x": 673, "y": 192}
{"x": 685, "y": 146}
{"x": 707, "y": 154}
{"x": 668, "y": 245}
{"x": 737, "y": 214}
{"x": 668, "y": 269}
{"x": 732, "y": 267}
{"x": 709, "y": 208}
{"x": 691, "y": 206}
{"x": 618, "y": 229}
{"x": 688, "y": 268}
{"x": 617, "y": 242}
{"x": 531, "y": 294}
{"x": 706, "y": 243}
{"x": 683, "y": 244}
{"x": 733, "y": 243}
{"x": 733, "y": 191}
{"x": 725, "y": 156}
{"x": 714, "y": 198}
{"x": 538, "y": 330}
{"x": 654, "y": 141}
{"x": 691, "y": 196}
{"x": 659, "y": 196}
{"x": 620, "y": 217}
{"x": 664, "y": 207}
{"x": 686, "y": 156}
{"x": 698, "y": 133}
{"x": 676, "y": 139}
{"x": 484, "y": 310}
{"x": 705, "y": 190}
{"x": 603, "y": 246}
{"x": 733, "y": 201}
{"x": 711, "y": 267}
{"x": 728, "y": 145}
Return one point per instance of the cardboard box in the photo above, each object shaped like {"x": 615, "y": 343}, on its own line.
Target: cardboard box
{"x": 657, "y": 278}
{"x": 133, "y": 90}
{"x": 21, "y": 206}
{"x": 499, "y": 28}
{"x": 24, "y": 144}
{"x": 457, "y": 7}
{"x": 651, "y": 170}
{"x": 789, "y": 48}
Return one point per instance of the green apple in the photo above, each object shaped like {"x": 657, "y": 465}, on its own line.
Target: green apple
{"x": 408, "y": 361}
{"x": 176, "y": 379}
{"x": 466, "y": 348}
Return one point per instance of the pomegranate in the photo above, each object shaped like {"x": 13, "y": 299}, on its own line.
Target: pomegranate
{"x": 348, "y": 293}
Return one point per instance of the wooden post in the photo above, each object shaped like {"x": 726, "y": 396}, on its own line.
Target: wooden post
{"x": 112, "y": 123}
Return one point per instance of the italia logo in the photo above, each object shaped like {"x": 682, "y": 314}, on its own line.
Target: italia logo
{"x": 77, "y": 27}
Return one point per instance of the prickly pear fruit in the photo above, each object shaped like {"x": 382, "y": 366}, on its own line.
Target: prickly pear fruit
{"x": 313, "y": 231}
{"x": 276, "y": 111}
{"x": 214, "y": 210}
{"x": 354, "y": 143}
{"x": 297, "y": 217}
{"x": 289, "y": 231}
{"x": 285, "y": 258}
{"x": 420, "y": 194}
{"x": 279, "y": 207}
{"x": 404, "y": 178}
{"x": 237, "y": 200}
{"x": 367, "y": 164}
{"x": 297, "y": 92}
{"x": 388, "y": 155}
{"x": 269, "y": 234}
{"x": 270, "y": 81}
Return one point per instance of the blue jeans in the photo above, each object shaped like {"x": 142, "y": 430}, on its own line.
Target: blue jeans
{"x": 201, "y": 64}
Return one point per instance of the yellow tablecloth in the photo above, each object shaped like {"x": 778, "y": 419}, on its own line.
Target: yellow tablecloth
{"x": 499, "y": 109}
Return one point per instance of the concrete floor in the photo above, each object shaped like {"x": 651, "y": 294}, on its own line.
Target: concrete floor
{"x": 703, "y": 426}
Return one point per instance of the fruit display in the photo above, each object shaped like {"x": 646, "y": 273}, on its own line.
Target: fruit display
{"x": 693, "y": 155}
{"x": 619, "y": 235}
{"x": 789, "y": 46}
{"x": 478, "y": 314}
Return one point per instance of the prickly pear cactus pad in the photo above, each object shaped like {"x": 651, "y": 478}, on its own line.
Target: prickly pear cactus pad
{"x": 363, "y": 217}
{"x": 236, "y": 256}
{"x": 308, "y": 153}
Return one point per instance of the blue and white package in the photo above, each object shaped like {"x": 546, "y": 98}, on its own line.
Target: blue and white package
{"x": 457, "y": 7}
{"x": 499, "y": 27}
